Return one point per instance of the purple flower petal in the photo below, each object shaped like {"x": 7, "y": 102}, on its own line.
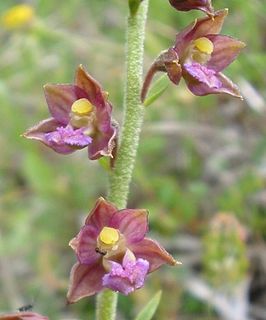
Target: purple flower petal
{"x": 127, "y": 277}
{"x": 132, "y": 223}
{"x": 84, "y": 244}
{"x": 68, "y": 136}
{"x": 85, "y": 281}
{"x": 60, "y": 98}
{"x": 218, "y": 83}
{"x": 202, "y": 74}
{"x": 151, "y": 251}
{"x": 225, "y": 51}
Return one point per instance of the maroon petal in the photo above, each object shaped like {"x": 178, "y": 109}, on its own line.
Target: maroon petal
{"x": 60, "y": 98}
{"x": 168, "y": 62}
{"x": 23, "y": 316}
{"x": 132, "y": 223}
{"x": 187, "y": 5}
{"x": 225, "y": 51}
{"x": 199, "y": 28}
{"x": 92, "y": 88}
{"x": 103, "y": 143}
{"x": 151, "y": 251}
{"x": 101, "y": 214}
{"x": 85, "y": 243}
{"x": 174, "y": 71}
{"x": 85, "y": 281}
{"x": 39, "y": 132}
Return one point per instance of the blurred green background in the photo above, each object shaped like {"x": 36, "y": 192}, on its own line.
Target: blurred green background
{"x": 198, "y": 157}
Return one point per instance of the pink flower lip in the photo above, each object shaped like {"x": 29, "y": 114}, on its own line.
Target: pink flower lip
{"x": 187, "y": 5}
{"x": 127, "y": 277}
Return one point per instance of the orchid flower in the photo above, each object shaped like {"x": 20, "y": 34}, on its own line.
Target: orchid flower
{"x": 81, "y": 117}
{"x": 199, "y": 55}
{"x": 113, "y": 252}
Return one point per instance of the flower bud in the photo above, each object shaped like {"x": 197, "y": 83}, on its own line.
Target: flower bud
{"x": 187, "y": 5}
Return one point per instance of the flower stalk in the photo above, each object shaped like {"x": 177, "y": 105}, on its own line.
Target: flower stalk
{"x": 121, "y": 175}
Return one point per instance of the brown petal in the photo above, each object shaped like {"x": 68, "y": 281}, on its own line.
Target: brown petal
{"x": 228, "y": 86}
{"x": 92, "y": 88}
{"x": 85, "y": 280}
{"x": 23, "y": 316}
{"x": 38, "y": 133}
{"x": 132, "y": 223}
{"x": 101, "y": 214}
{"x": 60, "y": 98}
{"x": 151, "y": 250}
{"x": 103, "y": 143}
{"x": 225, "y": 51}
{"x": 168, "y": 61}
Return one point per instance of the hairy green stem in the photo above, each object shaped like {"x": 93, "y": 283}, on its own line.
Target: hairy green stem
{"x": 106, "y": 305}
{"x": 134, "y": 111}
{"x": 121, "y": 175}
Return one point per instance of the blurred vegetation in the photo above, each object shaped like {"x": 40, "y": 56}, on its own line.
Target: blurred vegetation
{"x": 198, "y": 156}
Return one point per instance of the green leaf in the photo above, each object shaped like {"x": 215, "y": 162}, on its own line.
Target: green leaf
{"x": 157, "y": 90}
{"x": 105, "y": 163}
{"x": 149, "y": 310}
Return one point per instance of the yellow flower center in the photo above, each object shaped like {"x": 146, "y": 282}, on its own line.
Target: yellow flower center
{"x": 17, "y": 16}
{"x": 204, "y": 45}
{"x": 109, "y": 236}
{"x": 82, "y": 107}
